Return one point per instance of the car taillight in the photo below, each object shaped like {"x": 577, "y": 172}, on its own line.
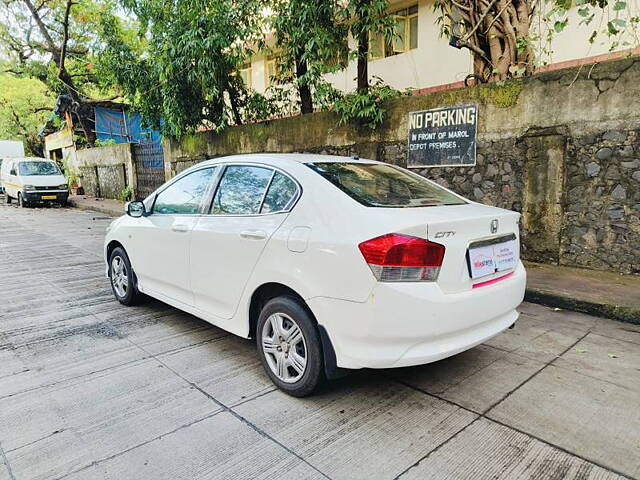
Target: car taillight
{"x": 401, "y": 258}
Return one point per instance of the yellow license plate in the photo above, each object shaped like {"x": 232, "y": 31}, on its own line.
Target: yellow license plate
{"x": 49, "y": 197}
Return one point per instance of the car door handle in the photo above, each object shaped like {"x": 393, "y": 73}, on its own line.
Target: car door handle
{"x": 254, "y": 234}
{"x": 180, "y": 228}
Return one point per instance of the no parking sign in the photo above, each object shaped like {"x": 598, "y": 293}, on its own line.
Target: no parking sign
{"x": 443, "y": 137}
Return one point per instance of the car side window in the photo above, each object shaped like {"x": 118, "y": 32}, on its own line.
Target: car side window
{"x": 241, "y": 190}
{"x": 281, "y": 194}
{"x": 13, "y": 170}
{"x": 185, "y": 196}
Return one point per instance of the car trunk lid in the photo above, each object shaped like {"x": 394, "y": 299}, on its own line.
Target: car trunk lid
{"x": 457, "y": 227}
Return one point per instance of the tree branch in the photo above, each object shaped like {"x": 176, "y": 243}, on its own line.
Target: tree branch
{"x": 41, "y": 26}
{"x": 65, "y": 36}
{"x": 497, "y": 16}
{"x": 479, "y": 22}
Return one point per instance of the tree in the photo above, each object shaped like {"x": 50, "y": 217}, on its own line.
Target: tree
{"x": 367, "y": 17}
{"x": 187, "y": 76}
{"x": 51, "y": 40}
{"x": 309, "y": 37}
{"x": 501, "y": 34}
{"x": 24, "y": 107}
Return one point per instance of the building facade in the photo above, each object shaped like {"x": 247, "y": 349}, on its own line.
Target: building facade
{"x": 421, "y": 58}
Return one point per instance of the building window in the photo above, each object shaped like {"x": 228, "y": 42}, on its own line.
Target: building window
{"x": 405, "y": 35}
{"x": 276, "y": 73}
{"x": 245, "y": 74}
{"x": 270, "y": 70}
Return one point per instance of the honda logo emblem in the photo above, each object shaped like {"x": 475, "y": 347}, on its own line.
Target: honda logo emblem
{"x": 494, "y": 225}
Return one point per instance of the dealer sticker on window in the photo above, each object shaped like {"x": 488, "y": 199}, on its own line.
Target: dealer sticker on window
{"x": 489, "y": 259}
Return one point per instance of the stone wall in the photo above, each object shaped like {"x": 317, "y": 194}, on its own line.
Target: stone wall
{"x": 106, "y": 171}
{"x": 561, "y": 147}
{"x": 602, "y": 211}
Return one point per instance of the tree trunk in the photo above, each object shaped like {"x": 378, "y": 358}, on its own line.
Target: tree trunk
{"x": 89, "y": 134}
{"x": 363, "y": 62}
{"x": 499, "y": 36}
{"x": 58, "y": 57}
{"x": 235, "y": 110}
{"x": 306, "y": 99}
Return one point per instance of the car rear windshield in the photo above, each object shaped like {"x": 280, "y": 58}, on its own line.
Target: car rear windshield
{"x": 378, "y": 185}
{"x": 38, "y": 168}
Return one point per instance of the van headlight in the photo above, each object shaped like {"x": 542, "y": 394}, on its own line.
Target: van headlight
{"x": 64, "y": 186}
{"x": 29, "y": 187}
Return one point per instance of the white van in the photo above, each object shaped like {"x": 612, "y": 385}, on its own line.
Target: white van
{"x": 33, "y": 180}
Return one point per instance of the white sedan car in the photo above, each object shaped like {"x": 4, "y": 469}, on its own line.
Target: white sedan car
{"x": 330, "y": 263}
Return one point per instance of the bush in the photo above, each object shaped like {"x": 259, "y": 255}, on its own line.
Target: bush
{"x": 365, "y": 108}
{"x": 126, "y": 194}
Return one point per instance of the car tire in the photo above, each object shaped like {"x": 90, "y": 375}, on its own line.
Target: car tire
{"x": 283, "y": 360}
{"x": 21, "y": 202}
{"x": 122, "y": 278}
{"x": 7, "y": 198}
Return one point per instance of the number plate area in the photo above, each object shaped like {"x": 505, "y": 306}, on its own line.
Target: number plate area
{"x": 487, "y": 257}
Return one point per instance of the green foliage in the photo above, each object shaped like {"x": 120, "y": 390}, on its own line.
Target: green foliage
{"x": 488, "y": 30}
{"x": 35, "y": 55}
{"x": 276, "y": 102}
{"x": 188, "y": 67}
{"x": 365, "y": 108}
{"x": 615, "y": 31}
{"x": 24, "y": 108}
{"x": 310, "y": 41}
{"x": 72, "y": 177}
{"x": 126, "y": 194}
{"x": 366, "y": 17}
{"x": 105, "y": 143}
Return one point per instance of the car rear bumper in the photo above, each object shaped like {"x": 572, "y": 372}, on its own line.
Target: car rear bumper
{"x": 416, "y": 323}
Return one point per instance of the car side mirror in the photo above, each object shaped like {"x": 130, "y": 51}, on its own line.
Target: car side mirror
{"x": 135, "y": 209}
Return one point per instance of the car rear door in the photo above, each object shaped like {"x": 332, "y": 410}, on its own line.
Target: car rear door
{"x": 159, "y": 243}
{"x": 249, "y": 204}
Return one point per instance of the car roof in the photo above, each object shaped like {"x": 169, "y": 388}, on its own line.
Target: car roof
{"x": 29, "y": 159}
{"x": 282, "y": 159}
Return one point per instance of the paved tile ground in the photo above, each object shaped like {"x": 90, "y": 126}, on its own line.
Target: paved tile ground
{"x": 93, "y": 390}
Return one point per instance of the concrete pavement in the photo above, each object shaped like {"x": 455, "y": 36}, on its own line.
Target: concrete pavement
{"x": 90, "y": 389}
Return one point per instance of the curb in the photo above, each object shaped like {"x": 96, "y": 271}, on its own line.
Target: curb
{"x": 617, "y": 312}
{"x": 96, "y": 208}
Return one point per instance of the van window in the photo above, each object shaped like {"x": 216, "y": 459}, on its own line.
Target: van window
{"x": 38, "y": 168}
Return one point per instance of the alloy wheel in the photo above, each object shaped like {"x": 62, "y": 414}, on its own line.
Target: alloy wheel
{"x": 119, "y": 278}
{"x": 284, "y": 347}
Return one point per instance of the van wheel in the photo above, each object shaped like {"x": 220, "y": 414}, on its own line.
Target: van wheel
{"x": 7, "y": 198}
{"x": 289, "y": 346}
{"x": 123, "y": 280}
{"x": 21, "y": 202}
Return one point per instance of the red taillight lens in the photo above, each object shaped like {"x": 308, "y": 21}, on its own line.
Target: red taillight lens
{"x": 396, "y": 258}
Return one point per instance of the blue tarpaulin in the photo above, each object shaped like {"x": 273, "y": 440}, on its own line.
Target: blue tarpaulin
{"x": 123, "y": 127}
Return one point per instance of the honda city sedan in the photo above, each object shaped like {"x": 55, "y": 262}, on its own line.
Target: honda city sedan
{"x": 329, "y": 263}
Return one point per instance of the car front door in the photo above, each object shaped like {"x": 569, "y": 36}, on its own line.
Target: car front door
{"x": 159, "y": 242}
{"x": 249, "y": 204}
{"x": 12, "y": 183}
